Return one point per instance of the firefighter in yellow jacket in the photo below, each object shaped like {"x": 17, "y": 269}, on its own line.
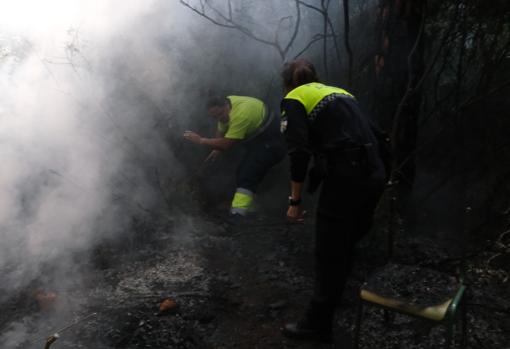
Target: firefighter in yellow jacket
{"x": 244, "y": 121}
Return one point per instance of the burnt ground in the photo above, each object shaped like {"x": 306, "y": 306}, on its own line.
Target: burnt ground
{"x": 235, "y": 286}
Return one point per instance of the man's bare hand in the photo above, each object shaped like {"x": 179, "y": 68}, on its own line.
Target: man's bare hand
{"x": 192, "y": 137}
{"x": 296, "y": 214}
{"x": 212, "y": 156}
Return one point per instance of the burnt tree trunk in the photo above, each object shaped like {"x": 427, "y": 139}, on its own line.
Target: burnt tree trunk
{"x": 398, "y": 68}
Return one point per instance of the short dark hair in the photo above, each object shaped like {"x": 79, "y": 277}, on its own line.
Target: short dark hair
{"x": 217, "y": 101}
{"x": 298, "y": 72}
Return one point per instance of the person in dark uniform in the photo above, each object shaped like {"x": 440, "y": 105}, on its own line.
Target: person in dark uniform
{"x": 325, "y": 123}
{"x": 243, "y": 121}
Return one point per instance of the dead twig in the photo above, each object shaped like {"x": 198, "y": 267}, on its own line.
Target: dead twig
{"x": 53, "y": 338}
{"x": 323, "y": 11}
{"x": 316, "y": 38}
{"x": 227, "y": 21}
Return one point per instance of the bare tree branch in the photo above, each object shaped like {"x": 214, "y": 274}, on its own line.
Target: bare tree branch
{"x": 280, "y": 22}
{"x": 296, "y": 28}
{"x": 238, "y": 26}
{"x": 327, "y": 18}
{"x": 227, "y": 21}
{"x": 229, "y": 9}
{"x": 316, "y": 38}
{"x": 202, "y": 13}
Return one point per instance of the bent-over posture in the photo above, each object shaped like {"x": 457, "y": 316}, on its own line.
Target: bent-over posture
{"x": 325, "y": 123}
{"x": 244, "y": 121}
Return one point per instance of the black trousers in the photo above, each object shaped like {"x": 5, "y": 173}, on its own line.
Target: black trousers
{"x": 344, "y": 215}
{"x": 262, "y": 153}
{"x": 257, "y": 161}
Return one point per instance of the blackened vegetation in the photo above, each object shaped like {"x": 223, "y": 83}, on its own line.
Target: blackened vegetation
{"x": 435, "y": 75}
{"x": 236, "y": 286}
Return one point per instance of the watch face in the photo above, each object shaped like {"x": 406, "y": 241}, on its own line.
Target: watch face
{"x": 283, "y": 125}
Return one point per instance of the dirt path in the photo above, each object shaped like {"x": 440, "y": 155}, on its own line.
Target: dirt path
{"x": 235, "y": 286}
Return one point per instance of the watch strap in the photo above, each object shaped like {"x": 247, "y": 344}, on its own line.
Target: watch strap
{"x": 293, "y": 202}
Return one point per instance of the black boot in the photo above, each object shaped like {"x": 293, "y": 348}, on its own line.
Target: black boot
{"x": 315, "y": 325}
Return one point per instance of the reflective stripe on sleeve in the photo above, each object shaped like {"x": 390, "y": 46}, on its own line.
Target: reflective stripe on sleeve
{"x": 243, "y": 198}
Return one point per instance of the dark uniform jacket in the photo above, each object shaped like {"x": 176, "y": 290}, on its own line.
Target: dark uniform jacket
{"x": 327, "y": 122}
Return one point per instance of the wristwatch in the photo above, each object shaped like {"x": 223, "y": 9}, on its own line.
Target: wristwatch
{"x": 294, "y": 202}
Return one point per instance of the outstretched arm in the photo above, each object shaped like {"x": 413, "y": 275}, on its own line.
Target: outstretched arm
{"x": 219, "y": 143}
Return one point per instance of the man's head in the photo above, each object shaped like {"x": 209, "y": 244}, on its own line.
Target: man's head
{"x": 218, "y": 107}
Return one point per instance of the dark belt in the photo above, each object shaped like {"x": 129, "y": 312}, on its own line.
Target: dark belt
{"x": 350, "y": 162}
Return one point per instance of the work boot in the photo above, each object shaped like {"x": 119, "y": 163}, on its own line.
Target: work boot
{"x": 316, "y": 325}
{"x": 236, "y": 219}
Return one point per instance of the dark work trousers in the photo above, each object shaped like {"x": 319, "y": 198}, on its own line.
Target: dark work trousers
{"x": 262, "y": 153}
{"x": 344, "y": 215}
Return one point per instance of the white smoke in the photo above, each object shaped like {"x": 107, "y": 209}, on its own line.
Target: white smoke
{"x": 88, "y": 90}
{"x": 62, "y": 142}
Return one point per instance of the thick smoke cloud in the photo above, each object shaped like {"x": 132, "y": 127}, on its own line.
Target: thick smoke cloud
{"x": 61, "y": 148}
{"x": 84, "y": 87}
{"x": 95, "y": 95}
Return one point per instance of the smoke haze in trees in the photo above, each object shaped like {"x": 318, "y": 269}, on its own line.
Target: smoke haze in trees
{"x": 90, "y": 90}
{"x": 95, "y": 96}
{"x": 91, "y": 93}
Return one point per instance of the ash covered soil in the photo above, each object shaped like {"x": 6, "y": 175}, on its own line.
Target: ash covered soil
{"x": 235, "y": 287}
